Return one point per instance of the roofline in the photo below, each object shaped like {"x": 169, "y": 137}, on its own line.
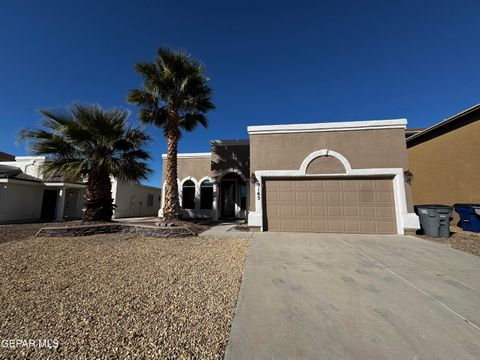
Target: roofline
{"x": 30, "y": 157}
{"x": 330, "y": 126}
{"x": 190, "y": 155}
{"x": 149, "y": 187}
{"x": 20, "y": 181}
{"x": 62, "y": 184}
{"x": 445, "y": 122}
{"x": 231, "y": 142}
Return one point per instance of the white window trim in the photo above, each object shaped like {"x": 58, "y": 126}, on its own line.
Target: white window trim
{"x": 403, "y": 218}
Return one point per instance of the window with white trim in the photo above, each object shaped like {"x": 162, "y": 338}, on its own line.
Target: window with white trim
{"x": 188, "y": 195}
{"x": 150, "y": 200}
{"x": 206, "y": 195}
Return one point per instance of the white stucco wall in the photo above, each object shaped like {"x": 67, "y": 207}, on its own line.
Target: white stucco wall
{"x": 28, "y": 164}
{"x": 132, "y": 200}
{"x": 20, "y": 202}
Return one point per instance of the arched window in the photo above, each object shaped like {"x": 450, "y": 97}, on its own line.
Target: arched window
{"x": 188, "y": 195}
{"x": 206, "y": 195}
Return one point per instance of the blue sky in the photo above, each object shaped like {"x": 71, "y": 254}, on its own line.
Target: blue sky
{"x": 270, "y": 62}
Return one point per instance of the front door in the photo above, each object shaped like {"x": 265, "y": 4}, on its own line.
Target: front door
{"x": 228, "y": 199}
{"x": 48, "y": 204}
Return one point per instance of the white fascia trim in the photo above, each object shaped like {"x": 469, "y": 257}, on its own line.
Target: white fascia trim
{"x": 64, "y": 184}
{"x": 402, "y": 216}
{"x": 190, "y": 155}
{"x": 21, "y": 182}
{"x": 331, "y": 126}
{"x": 149, "y": 187}
{"x": 231, "y": 142}
{"x": 30, "y": 157}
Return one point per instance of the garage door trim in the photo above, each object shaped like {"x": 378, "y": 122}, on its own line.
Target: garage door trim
{"x": 327, "y": 219}
{"x": 255, "y": 218}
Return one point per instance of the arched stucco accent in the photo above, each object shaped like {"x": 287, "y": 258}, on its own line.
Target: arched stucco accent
{"x": 189, "y": 178}
{"x": 231, "y": 170}
{"x": 325, "y": 152}
{"x": 203, "y": 179}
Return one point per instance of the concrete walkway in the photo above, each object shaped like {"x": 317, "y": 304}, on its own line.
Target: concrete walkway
{"x": 329, "y": 296}
{"x": 226, "y": 230}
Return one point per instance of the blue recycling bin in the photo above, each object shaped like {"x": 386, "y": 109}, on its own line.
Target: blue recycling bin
{"x": 469, "y": 218}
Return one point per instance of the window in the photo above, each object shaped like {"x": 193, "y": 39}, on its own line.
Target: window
{"x": 188, "y": 195}
{"x": 206, "y": 195}
{"x": 150, "y": 200}
{"x": 243, "y": 197}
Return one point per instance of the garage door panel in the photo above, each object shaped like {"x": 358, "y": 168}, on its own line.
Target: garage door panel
{"x": 366, "y": 196}
{"x": 383, "y": 196}
{"x": 369, "y": 226}
{"x": 302, "y": 211}
{"x": 286, "y": 196}
{"x": 303, "y": 225}
{"x": 382, "y": 184}
{"x": 334, "y": 211}
{"x": 330, "y": 205}
{"x": 317, "y": 197}
{"x": 301, "y": 185}
{"x": 350, "y": 211}
{"x": 286, "y": 211}
{"x": 335, "y": 225}
{"x": 285, "y": 184}
{"x": 352, "y": 226}
{"x": 365, "y": 184}
{"x": 302, "y": 197}
{"x": 334, "y": 196}
{"x": 318, "y": 211}
{"x": 319, "y": 225}
{"x": 317, "y": 184}
{"x": 286, "y": 225}
{"x": 351, "y": 197}
{"x": 333, "y": 184}
{"x": 386, "y": 227}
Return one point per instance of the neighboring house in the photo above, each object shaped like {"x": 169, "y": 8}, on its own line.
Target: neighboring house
{"x": 445, "y": 160}
{"x": 25, "y": 195}
{"x": 326, "y": 177}
{"x": 6, "y": 157}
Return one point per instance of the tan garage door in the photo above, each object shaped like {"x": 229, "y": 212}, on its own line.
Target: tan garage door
{"x": 330, "y": 205}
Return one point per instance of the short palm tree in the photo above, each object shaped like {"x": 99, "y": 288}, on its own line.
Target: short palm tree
{"x": 87, "y": 142}
{"x": 174, "y": 97}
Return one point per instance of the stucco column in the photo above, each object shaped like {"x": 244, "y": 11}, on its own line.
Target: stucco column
{"x": 60, "y": 204}
{"x": 216, "y": 201}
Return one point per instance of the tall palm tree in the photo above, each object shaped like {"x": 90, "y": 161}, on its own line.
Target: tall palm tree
{"x": 87, "y": 142}
{"x": 174, "y": 97}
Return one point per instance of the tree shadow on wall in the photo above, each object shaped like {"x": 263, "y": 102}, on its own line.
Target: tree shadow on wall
{"x": 236, "y": 157}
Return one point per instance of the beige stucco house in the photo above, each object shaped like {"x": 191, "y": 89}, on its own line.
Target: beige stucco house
{"x": 325, "y": 177}
{"x": 25, "y": 195}
{"x": 445, "y": 160}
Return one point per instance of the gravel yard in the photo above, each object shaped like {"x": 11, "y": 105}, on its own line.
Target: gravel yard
{"x": 461, "y": 240}
{"x": 118, "y": 295}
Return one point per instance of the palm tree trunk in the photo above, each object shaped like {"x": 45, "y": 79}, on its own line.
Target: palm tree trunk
{"x": 171, "y": 210}
{"x": 98, "y": 197}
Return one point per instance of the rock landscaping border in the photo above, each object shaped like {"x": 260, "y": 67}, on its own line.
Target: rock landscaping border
{"x": 143, "y": 230}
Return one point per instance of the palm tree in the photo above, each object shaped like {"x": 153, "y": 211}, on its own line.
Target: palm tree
{"x": 87, "y": 142}
{"x": 174, "y": 97}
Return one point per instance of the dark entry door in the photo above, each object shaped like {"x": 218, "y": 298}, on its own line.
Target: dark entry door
{"x": 48, "y": 204}
{"x": 228, "y": 199}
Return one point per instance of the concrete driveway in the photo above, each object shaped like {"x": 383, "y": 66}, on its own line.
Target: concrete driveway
{"x": 331, "y": 296}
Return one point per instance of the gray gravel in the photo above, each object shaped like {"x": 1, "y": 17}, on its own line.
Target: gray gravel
{"x": 118, "y": 296}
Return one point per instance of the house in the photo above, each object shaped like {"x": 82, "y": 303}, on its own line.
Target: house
{"x": 325, "y": 177}
{"x": 445, "y": 160}
{"x": 25, "y": 195}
